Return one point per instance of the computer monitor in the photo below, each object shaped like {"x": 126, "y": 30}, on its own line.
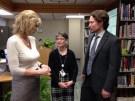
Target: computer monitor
{"x": 5, "y": 33}
{"x": 6, "y": 57}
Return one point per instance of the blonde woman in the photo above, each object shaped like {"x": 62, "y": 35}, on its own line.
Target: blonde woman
{"x": 23, "y": 58}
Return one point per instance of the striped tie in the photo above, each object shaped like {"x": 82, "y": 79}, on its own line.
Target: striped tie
{"x": 91, "y": 55}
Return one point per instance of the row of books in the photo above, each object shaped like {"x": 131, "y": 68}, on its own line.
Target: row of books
{"x": 87, "y": 32}
{"x": 126, "y": 80}
{"x": 127, "y": 64}
{"x": 126, "y": 94}
{"x": 127, "y": 30}
{"x": 86, "y": 24}
{"x": 129, "y": 45}
{"x": 127, "y": 11}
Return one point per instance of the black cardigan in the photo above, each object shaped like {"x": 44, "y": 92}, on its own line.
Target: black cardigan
{"x": 55, "y": 65}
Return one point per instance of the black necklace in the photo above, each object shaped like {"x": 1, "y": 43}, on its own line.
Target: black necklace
{"x": 63, "y": 64}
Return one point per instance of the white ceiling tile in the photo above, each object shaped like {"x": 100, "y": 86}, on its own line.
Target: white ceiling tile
{"x": 68, "y": 2}
{"x": 99, "y": 1}
{"x": 49, "y": 2}
{"x": 61, "y": 1}
{"x": 59, "y": 16}
{"x": 46, "y": 15}
{"x": 83, "y": 1}
{"x": 19, "y": 1}
{"x": 34, "y": 1}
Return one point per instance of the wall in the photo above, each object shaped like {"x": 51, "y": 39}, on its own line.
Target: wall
{"x": 74, "y": 36}
{"x": 50, "y": 28}
{"x": 82, "y": 55}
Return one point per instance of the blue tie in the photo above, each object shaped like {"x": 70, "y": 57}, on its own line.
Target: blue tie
{"x": 91, "y": 55}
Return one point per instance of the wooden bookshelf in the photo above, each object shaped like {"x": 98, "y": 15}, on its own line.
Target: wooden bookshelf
{"x": 125, "y": 31}
{"x": 125, "y": 87}
{"x": 86, "y": 32}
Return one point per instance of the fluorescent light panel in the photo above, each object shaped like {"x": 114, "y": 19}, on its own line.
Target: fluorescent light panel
{"x": 75, "y": 16}
{"x": 3, "y": 12}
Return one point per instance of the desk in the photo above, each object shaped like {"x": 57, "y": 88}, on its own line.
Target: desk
{"x": 5, "y": 77}
{"x": 5, "y": 82}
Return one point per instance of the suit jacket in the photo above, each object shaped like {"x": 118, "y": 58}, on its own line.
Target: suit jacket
{"x": 106, "y": 63}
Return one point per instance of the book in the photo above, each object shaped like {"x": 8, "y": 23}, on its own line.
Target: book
{"x": 132, "y": 12}
{"x": 121, "y": 16}
{"x": 125, "y": 96}
{"x": 128, "y": 45}
{"x": 129, "y": 11}
{"x": 132, "y": 80}
{"x": 119, "y": 98}
{"x": 133, "y": 29}
{"x": 125, "y": 11}
{"x": 122, "y": 81}
{"x": 129, "y": 80}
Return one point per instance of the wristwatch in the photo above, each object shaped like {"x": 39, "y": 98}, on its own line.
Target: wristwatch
{"x": 41, "y": 65}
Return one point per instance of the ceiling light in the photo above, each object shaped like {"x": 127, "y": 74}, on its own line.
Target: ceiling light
{"x": 75, "y": 16}
{"x": 3, "y": 12}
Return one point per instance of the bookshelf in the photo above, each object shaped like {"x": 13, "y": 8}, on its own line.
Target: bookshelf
{"x": 86, "y": 32}
{"x": 126, "y": 32}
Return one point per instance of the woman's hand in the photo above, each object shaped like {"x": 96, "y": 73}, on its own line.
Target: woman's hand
{"x": 62, "y": 85}
{"x": 69, "y": 83}
{"x": 45, "y": 70}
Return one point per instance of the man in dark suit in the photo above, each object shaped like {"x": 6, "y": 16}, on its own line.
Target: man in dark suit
{"x": 101, "y": 67}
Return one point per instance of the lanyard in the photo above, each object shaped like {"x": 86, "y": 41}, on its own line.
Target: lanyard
{"x": 63, "y": 64}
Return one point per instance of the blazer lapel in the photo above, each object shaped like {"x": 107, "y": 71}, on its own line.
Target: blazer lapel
{"x": 103, "y": 40}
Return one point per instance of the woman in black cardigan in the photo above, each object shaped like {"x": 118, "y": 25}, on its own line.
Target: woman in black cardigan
{"x": 64, "y": 70}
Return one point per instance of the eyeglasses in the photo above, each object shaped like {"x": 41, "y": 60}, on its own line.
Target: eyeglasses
{"x": 61, "y": 39}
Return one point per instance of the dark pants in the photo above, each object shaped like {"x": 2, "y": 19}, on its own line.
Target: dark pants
{"x": 87, "y": 93}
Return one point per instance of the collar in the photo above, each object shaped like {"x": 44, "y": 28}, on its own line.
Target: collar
{"x": 101, "y": 34}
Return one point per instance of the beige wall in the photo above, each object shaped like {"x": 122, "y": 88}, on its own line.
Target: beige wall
{"x": 82, "y": 45}
{"x": 50, "y": 28}
{"x": 74, "y": 36}
{"x": 75, "y": 28}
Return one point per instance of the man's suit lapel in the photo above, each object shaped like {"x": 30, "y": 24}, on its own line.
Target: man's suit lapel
{"x": 103, "y": 40}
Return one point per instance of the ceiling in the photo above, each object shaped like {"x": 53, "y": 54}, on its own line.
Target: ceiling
{"x": 53, "y": 9}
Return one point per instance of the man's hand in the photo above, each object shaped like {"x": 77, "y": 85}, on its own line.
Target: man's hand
{"x": 83, "y": 76}
{"x": 105, "y": 94}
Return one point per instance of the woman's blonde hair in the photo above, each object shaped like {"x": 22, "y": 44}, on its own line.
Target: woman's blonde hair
{"x": 25, "y": 21}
